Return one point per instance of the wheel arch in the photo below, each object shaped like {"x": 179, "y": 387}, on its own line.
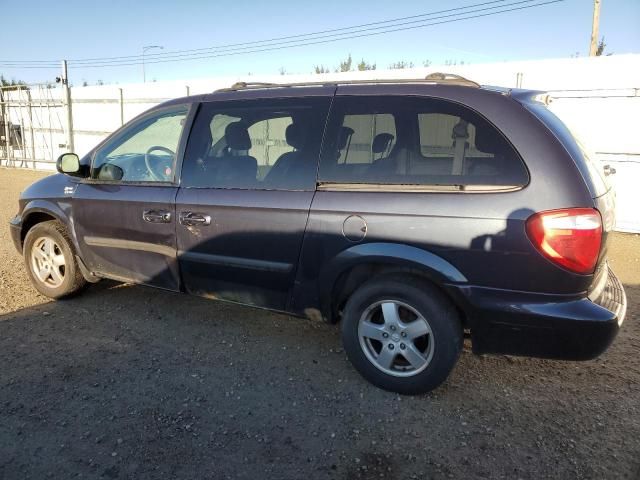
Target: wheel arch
{"x": 38, "y": 211}
{"x": 357, "y": 264}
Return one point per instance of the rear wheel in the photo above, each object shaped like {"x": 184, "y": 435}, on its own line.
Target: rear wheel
{"x": 50, "y": 260}
{"x": 401, "y": 334}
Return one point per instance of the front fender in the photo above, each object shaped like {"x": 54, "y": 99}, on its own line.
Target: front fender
{"x": 61, "y": 211}
{"x": 393, "y": 254}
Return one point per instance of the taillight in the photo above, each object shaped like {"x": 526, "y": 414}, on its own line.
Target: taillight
{"x": 570, "y": 237}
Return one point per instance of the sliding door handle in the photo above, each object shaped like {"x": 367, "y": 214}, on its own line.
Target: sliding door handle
{"x": 156, "y": 216}
{"x": 191, "y": 219}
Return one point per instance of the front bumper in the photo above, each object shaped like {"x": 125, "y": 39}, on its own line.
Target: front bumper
{"x": 544, "y": 325}
{"x": 15, "y": 228}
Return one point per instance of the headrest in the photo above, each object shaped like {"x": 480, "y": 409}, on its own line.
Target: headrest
{"x": 381, "y": 142}
{"x": 296, "y": 135}
{"x": 343, "y": 136}
{"x": 488, "y": 140}
{"x": 237, "y": 136}
{"x": 460, "y": 130}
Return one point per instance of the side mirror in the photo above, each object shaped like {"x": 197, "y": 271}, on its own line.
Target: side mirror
{"x": 109, "y": 171}
{"x": 69, "y": 164}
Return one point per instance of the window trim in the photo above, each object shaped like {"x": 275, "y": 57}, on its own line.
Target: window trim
{"x": 414, "y": 188}
{"x": 190, "y": 108}
{"x": 334, "y": 186}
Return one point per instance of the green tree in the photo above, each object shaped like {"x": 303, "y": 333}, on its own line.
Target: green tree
{"x": 601, "y": 47}
{"x": 362, "y": 66}
{"x": 345, "y": 66}
{"x": 400, "y": 65}
{"x": 13, "y": 84}
{"x": 321, "y": 69}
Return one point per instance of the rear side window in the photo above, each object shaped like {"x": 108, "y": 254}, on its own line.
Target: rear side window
{"x": 265, "y": 144}
{"x": 416, "y": 141}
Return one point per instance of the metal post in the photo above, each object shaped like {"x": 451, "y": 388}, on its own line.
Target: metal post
{"x": 33, "y": 143}
{"x": 67, "y": 101}
{"x": 4, "y": 98}
{"x": 46, "y": 92}
{"x": 595, "y": 26}
{"x": 121, "y": 107}
{"x": 188, "y": 90}
{"x": 1, "y": 116}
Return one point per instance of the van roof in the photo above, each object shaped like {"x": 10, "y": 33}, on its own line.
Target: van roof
{"x": 272, "y": 90}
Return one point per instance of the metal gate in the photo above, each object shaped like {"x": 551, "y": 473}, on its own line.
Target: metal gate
{"x": 32, "y": 119}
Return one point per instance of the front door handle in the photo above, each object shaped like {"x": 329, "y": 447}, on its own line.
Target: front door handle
{"x": 191, "y": 219}
{"x": 156, "y": 216}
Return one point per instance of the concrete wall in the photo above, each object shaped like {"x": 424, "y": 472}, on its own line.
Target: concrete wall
{"x": 598, "y": 98}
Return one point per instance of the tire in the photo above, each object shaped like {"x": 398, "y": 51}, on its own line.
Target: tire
{"x": 416, "y": 319}
{"x": 50, "y": 258}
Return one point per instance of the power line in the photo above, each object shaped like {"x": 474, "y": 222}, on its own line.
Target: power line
{"x": 312, "y": 37}
{"x": 347, "y": 30}
{"x": 318, "y": 42}
{"x": 175, "y": 57}
{"x": 216, "y": 47}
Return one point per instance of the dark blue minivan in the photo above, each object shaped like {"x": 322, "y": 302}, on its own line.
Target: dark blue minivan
{"x": 411, "y": 211}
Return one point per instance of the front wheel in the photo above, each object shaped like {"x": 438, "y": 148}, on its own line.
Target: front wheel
{"x": 401, "y": 334}
{"x": 50, "y": 260}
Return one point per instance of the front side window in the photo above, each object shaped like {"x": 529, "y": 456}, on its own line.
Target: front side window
{"x": 415, "y": 141}
{"x": 145, "y": 152}
{"x": 262, "y": 144}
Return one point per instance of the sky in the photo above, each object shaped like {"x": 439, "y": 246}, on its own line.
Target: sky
{"x": 77, "y": 29}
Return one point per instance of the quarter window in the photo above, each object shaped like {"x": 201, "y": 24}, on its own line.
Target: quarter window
{"x": 416, "y": 141}
{"x": 145, "y": 152}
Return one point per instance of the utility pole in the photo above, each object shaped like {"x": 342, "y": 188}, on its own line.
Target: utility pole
{"x": 68, "y": 106}
{"x": 593, "y": 48}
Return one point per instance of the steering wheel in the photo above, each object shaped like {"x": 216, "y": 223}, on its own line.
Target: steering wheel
{"x": 159, "y": 177}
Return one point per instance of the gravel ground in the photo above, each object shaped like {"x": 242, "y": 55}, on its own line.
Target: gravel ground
{"x": 128, "y": 382}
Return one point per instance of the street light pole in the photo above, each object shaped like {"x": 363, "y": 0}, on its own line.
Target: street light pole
{"x": 144, "y": 50}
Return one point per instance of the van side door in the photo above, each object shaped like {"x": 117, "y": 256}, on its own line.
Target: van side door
{"x": 248, "y": 179}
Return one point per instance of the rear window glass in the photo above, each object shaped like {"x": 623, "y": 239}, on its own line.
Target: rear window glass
{"x": 416, "y": 141}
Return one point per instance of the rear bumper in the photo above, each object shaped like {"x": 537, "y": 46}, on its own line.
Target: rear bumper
{"x": 15, "y": 228}
{"x": 542, "y": 325}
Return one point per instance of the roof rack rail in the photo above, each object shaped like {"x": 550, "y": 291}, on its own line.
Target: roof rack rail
{"x": 451, "y": 78}
{"x": 241, "y": 85}
{"x": 437, "y": 78}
